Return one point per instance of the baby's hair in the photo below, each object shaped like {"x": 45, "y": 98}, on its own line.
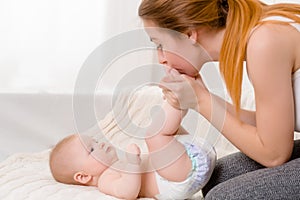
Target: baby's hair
{"x": 61, "y": 168}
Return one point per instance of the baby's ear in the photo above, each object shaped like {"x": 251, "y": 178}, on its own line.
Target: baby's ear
{"x": 82, "y": 177}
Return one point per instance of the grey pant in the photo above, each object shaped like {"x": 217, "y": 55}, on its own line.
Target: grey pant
{"x": 238, "y": 177}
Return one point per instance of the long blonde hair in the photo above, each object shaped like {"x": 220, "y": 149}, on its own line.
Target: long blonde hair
{"x": 239, "y": 17}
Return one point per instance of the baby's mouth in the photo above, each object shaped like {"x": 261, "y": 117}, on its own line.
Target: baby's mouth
{"x": 107, "y": 148}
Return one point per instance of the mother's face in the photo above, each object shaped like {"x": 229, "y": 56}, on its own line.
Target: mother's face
{"x": 176, "y": 50}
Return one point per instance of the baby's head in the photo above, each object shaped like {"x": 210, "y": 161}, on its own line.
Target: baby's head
{"x": 80, "y": 160}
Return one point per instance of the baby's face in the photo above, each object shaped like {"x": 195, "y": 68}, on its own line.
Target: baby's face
{"x": 94, "y": 157}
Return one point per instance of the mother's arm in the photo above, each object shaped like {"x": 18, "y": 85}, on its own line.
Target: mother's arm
{"x": 270, "y": 59}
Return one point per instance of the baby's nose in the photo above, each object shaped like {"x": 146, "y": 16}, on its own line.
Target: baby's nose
{"x": 101, "y": 145}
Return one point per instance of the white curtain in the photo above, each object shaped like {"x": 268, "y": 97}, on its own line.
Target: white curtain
{"x": 43, "y": 43}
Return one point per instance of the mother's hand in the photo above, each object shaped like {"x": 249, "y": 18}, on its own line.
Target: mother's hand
{"x": 182, "y": 91}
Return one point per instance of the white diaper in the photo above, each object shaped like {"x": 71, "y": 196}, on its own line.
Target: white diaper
{"x": 203, "y": 162}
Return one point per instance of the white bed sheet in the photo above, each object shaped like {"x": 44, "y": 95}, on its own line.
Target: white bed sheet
{"x": 27, "y": 177}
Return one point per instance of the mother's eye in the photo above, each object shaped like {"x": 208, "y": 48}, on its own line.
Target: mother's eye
{"x": 159, "y": 47}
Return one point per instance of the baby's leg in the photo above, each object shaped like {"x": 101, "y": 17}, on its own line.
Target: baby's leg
{"x": 169, "y": 157}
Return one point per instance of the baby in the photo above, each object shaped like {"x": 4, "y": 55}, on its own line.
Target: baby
{"x": 176, "y": 170}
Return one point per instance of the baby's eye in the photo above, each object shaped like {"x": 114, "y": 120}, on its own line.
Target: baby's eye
{"x": 92, "y": 149}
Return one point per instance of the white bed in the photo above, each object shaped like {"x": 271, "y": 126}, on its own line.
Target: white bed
{"x": 43, "y": 119}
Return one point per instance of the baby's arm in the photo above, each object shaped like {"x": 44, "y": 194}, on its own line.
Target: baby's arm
{"x": 123, "y": 180}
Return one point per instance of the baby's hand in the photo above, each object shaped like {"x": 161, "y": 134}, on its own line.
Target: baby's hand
{"x": 133, "y": 154}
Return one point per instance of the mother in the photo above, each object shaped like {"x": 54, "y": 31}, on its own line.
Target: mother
{"x": 267, "y": 37}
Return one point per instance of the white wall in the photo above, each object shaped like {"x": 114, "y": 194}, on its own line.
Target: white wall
{"x": 45, "y": 42}
{"x": 286, "y": 1}
{"x": 281, "y": 1}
